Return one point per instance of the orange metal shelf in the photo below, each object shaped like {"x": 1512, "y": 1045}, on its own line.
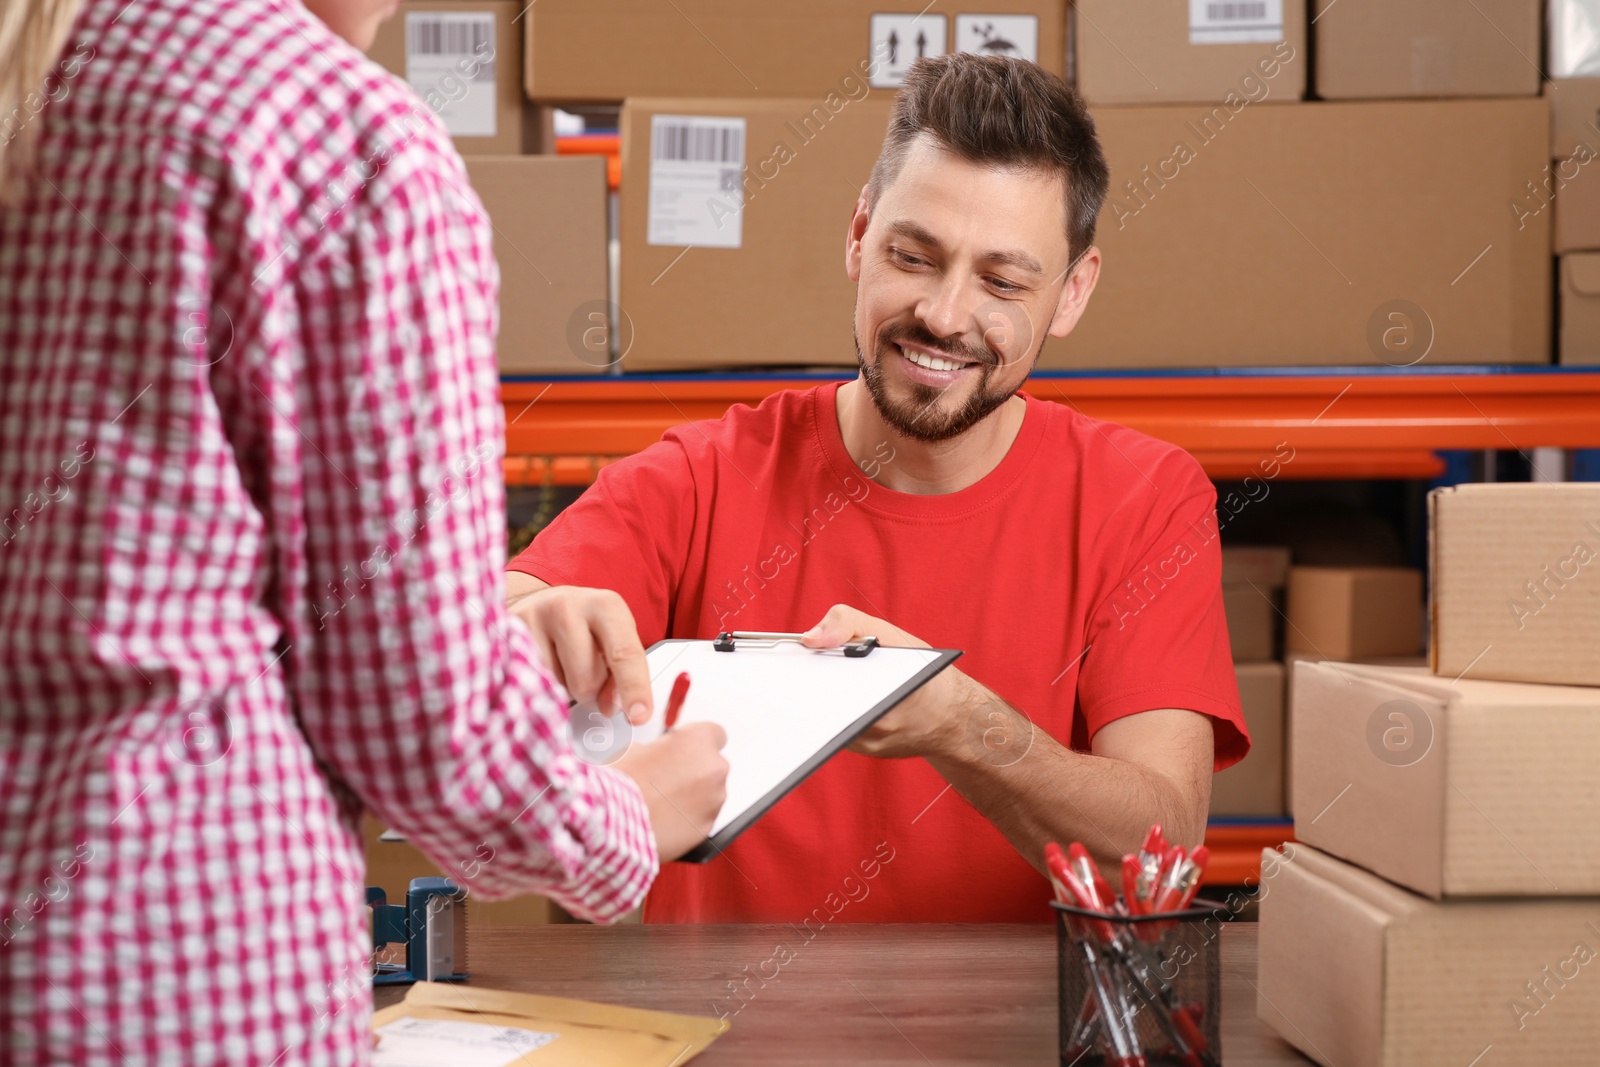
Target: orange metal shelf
{"x": 558, "y": 470}
{"x": 592, "y": 144}
{"x": 1331, "y": 424}
{"x": 1236, "y": 850}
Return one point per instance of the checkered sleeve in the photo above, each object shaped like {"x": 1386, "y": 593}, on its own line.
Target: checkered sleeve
{"x": 413, "y": 684}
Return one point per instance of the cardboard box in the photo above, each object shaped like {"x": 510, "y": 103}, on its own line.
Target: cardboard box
{"x": 1571, "y": 187}
{"x": 549, "y": 217}
{"x": 1254, "y": 785}
{"x": 779, "y": 295}
{"x": 1579, "y": 312}
{"x": 1266, "y": 566}
{"x": 1252, "y": 585}
{"x": 1289, "y": 660}
{"x": 1279, "y": 219}
{"x": 1379, "y": 49}
{"x": 1516, "y": 581}
{"x": 1355, "y": 971}
{"x": 1451, "y": 789}
{"x": 1574, "y": 115}
{"x": 1175, "y": 52}
{"x": 1354, "y": 612}
{"x": 1246, "y": 239}
{"x": 593, "y": 50}
{"x": 464, "y": 59}
{"x": 1252, "y": 613}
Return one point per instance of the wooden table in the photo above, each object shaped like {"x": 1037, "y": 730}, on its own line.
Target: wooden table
{"x": 855, "y": 993}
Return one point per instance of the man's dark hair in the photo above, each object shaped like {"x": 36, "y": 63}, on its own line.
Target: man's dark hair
{"x": 1000, "y": 111}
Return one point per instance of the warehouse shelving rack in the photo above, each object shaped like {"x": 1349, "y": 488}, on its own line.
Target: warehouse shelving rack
{"x": 1334, "y": 422}
{"x": 1356, "y": 422}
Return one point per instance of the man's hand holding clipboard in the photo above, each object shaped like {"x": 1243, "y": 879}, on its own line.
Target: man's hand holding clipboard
{"x": 933, "y": 718}
{"x": 789, "y": 703}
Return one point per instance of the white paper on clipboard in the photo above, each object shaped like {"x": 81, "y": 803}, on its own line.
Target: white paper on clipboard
{"x": 786, "y": 709}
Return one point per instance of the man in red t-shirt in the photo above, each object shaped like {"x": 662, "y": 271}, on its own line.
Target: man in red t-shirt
{"x": 930, "y": 502}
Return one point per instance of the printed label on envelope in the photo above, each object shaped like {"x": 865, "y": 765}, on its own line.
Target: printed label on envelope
{"x": 413, "y": 1042}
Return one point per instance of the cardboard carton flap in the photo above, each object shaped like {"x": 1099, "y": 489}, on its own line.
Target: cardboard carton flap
{"x": 589, "y": 1034}
{"x": 1322, "y": 957}
{"x": 1356, "y": 797}
{"x": 1582, "y": 270}
{"x": 1380, "y": 900}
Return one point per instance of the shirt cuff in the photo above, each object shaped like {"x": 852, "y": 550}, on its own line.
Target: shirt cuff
{"x": 620, "y": 847}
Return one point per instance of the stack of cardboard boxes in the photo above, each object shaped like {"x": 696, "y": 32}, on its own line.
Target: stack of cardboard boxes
{"x": 1244, "y": 226}
{"x": 1370, "y": 615}
{"x": 1252, "y": 596}
{"x": 1443, "y": 897}
{"x": 1247, "y": 227}
{"x": 550, "y": 214}
{"x": 1280, "y": 615}
{"x": 748, "y": 132}
{"x": 1401, "y": 216}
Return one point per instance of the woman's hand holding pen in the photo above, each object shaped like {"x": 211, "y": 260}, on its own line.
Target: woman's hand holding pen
{"x": 684, "y": 779}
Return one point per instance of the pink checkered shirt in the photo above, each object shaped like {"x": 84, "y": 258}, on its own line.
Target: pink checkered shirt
{"x": 251, "y": 545}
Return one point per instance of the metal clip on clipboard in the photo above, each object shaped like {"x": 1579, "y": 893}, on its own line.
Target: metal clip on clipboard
{"x": 728, "y": 640}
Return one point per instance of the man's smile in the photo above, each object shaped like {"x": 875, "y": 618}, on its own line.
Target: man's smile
{"x": 930, "y": 367}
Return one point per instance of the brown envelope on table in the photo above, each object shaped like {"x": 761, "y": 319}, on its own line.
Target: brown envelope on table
{"x": 589, "y": 1034}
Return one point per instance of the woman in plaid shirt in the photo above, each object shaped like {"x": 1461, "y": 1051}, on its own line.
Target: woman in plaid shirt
{"x": 251, "y": 522}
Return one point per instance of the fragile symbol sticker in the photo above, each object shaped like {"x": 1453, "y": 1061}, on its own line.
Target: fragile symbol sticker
{"x": 1013, "y": 36}
{"x": 898, "y": 41}
{"x": 696, "y": 181}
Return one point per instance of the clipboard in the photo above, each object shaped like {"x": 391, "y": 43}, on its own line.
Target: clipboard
{"x": 787, "y": 709}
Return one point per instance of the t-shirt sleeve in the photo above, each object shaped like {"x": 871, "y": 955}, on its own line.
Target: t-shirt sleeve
{"x": 1160, "y": 638}
{"x": 629, "y": 532}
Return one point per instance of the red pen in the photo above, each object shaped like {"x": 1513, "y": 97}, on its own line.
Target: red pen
{"x": 1130, "y": 885}
{"x": 1150, "y": 853}
{"x": 680, "y": 689}
{"x": 1198, "y": 860}
{"x": 1167, "y": 885}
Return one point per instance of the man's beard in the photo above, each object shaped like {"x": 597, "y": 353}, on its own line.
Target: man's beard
{"x": 919, "y": 416}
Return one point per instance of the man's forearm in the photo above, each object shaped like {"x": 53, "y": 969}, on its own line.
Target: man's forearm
{"x": 1035, "y": 790}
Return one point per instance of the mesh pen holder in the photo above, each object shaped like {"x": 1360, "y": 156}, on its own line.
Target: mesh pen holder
{"x": 1159, "y": 977}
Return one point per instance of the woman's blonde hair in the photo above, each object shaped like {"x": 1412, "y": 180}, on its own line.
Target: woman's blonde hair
{"x": 32, "y": 36}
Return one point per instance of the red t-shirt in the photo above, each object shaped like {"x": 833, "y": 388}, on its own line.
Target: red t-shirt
{"x": 1082, "y": 578}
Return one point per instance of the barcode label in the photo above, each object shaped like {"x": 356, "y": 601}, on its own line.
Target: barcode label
{"x": 449, "y": 35}
{"x": 696, "y": 181}
{"x": 700, "y": 143}
{"x": 1255, "y": 12}
{"x": 450, "y": 62}
{"x": 1235, "y": 21}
